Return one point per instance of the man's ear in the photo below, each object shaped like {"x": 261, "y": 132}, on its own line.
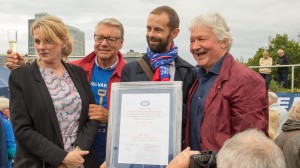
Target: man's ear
{"x": 174, "y": 33}
{"x": 224, "y": 43}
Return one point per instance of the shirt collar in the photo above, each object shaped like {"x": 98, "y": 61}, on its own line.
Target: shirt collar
{"x": 113, "y": 66}
{"x": 214, "y": 70}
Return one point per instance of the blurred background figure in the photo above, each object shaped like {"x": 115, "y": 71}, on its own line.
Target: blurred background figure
{"x": 273, "y": 124}
{"x": 273, "y": 105}
{"x": 282, "y": 72}
{"x": 265, "y": 72}
{"x": 289, "y": 139}
{"x": 10, "y": 139}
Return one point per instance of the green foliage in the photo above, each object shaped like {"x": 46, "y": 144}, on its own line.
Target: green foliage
{"x": 275, "y": 87}
{"x": 290, "y": 47}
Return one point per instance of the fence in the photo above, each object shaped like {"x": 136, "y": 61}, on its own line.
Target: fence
{"x": 276, "y": 66}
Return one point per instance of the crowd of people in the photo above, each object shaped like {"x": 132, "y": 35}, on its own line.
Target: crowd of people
{"x": 59, "y": 111}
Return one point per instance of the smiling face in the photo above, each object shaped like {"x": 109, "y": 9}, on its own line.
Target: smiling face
{"x": 159, "y": 36}
{"x": 49, "y": 53}
{"x": 107, "y": 52}
{"x": 205, "y": 47}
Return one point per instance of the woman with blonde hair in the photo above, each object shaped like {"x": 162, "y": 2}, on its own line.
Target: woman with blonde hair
{"x": 50, "y": 102}
{"x": 289, "y": 139}
{"x": 273, "y": 124}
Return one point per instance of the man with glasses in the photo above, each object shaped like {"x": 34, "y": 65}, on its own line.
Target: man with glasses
{"x": 103, "y": 66}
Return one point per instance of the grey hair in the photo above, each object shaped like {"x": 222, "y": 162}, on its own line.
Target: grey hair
{"x": 111, "y": 22}
{"x": 280, "y": 51}
{"x": 4, "y": 103}
{"x": 218, "y": 24}
{"x": 248, "y": 149}
{"x": 294, "y": 113}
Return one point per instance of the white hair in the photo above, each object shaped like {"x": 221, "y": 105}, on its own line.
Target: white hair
{"x": 4, "y": 103}
{"x": 249, "y": 149}
{"x": 218, "y": 24}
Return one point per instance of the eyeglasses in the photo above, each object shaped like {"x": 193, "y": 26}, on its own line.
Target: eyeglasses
{"x": 109, "y": 39}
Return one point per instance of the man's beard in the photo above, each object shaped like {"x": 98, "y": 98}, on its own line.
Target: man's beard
{"x": 161, "y": 47}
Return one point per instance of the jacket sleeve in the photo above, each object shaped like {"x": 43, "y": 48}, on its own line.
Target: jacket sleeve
{"x": 125, "y": 75}
{"x": 249, "y": 103}
{"x": 90, "y": 128}
{"x": 10, "y": 139}
{"x": 27, "y": 137}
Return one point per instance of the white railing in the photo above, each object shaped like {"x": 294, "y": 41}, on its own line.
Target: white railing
{"x": 276, "y": 66}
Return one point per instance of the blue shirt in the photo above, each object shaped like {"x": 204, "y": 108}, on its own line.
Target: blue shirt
{"x": 206, "y": 80}
{"x": 99, "y": 83}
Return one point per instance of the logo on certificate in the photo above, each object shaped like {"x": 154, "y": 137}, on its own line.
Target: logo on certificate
{"x": 145, "y": 103}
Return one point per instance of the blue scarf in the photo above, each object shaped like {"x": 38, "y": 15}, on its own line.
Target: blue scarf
{"x": 160, "y": 62}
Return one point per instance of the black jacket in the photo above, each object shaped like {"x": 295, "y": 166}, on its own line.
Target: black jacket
{"x": 38, "y": 136}
{"x": 184, "y": 72}
{"x": 284, "y": 60}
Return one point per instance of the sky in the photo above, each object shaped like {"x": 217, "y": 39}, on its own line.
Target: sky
{"x": 251, "y": 22}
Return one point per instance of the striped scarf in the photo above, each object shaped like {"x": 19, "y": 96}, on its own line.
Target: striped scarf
{"x": 160, "y": 62}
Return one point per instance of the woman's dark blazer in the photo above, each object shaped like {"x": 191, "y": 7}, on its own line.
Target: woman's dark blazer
{"x": 37, "y": 132}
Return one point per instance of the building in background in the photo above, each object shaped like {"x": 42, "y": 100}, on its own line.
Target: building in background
{"x": 132, "y": 55}
{"x": 77, "y": 35}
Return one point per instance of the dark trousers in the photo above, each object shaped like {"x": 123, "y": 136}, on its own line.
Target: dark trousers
{"x": 267, "y": 78}
{"x": 282, "y": 78}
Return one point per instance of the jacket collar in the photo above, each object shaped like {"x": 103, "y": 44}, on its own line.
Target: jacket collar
{"x": 47, "y": 97}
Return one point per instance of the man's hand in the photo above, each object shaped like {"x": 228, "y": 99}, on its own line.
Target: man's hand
{"x": 14, "y": 60}
{"x": 74, "y": 158}
{"x": 182, "y": 160}
{"x": 99, "y": 113}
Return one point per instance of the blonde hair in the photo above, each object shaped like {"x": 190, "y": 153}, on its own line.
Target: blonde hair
{"x": 56, "y": 32}
{"x": 4, "y": 103}
{"x": 265, "y": 52}
{"x": 294, "y": 113}
{"x": 273, "y": 124}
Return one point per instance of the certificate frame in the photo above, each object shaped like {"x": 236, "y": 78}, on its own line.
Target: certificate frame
{"x": 118, "y": 116}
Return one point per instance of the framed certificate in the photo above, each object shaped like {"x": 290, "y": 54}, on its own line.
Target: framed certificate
{"x": 144, "y": 126}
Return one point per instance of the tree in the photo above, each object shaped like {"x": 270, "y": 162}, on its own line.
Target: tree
{"x": 290, "y": 47}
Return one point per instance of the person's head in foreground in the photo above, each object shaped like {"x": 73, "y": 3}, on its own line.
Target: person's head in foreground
{"x": 250, "y": 149}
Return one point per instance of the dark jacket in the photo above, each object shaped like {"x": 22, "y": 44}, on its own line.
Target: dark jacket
{"x": 37, "y": 132}
{"x": 284, "y": 60}
{"x": 237, "y": 101}
{"x": 291, "y": 146}
{"x": 184, "y": 72}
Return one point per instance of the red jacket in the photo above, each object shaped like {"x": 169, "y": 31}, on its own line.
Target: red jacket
{"x": 236, "y": 101}
{"x": 87, "y": 63}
